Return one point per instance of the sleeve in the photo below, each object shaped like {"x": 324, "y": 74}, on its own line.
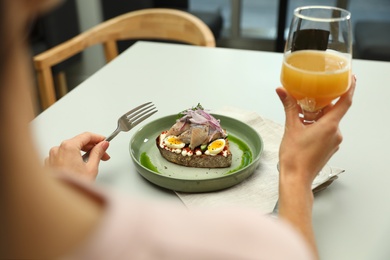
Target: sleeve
{"x": 133, "y": 229}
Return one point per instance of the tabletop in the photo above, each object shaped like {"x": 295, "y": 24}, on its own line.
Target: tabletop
{"x": 351, "y": 217}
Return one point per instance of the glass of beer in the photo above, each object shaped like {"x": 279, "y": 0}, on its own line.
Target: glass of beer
{"x": 317, "y": 59}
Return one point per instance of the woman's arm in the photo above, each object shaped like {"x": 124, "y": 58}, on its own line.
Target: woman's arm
{"x": 304, "y": 151}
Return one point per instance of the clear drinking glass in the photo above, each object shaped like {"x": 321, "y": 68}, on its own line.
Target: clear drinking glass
{"x": 317, "y": 58}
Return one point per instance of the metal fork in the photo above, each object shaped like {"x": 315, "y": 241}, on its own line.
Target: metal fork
{"x": 128, "y": 121}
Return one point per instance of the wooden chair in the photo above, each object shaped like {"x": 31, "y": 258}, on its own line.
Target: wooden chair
{"x": 154, "y": 23}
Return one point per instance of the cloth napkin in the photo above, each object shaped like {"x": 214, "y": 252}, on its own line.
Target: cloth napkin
{"x": 260, "y": 190}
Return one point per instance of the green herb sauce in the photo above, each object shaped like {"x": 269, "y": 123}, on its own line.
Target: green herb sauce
{"x": 145, "y": 161}
{"x": 246, "y": 158}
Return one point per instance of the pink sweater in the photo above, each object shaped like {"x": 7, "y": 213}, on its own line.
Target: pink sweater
{"x": 133, "y": 229}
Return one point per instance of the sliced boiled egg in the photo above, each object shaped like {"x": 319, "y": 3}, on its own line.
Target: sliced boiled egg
{"x": 173, "y": 142}
{"x": 216, "y": 146}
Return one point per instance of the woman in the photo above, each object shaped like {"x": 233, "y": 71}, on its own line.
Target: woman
{"x": 46, "y": 214}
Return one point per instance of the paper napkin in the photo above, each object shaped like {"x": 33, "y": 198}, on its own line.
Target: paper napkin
{"x": 260, "y": 190}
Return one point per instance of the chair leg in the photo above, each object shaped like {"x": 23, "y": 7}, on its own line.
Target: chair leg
{"x": 110, "y": 50}
{"x": 61, "y": 84}
{"x": 46, "y": 88}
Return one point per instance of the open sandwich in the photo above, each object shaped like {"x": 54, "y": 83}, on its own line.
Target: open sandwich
{"x": 196, "y": 140}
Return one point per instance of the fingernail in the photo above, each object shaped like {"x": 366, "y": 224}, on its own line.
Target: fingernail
{"x": 105, "y": 145}
{"x": 354, "y": 77}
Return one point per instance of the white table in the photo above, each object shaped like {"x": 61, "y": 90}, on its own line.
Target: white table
{"x": 351, "y": 217}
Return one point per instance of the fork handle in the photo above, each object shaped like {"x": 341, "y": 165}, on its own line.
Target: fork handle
{"x": 86, "y": 156}
{"x": 115, "y": 133}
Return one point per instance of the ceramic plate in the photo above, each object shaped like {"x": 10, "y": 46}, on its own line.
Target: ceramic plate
{"x": 153, "y": 167}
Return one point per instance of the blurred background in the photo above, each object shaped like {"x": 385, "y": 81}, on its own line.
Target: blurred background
{"x": 241, "y": 24}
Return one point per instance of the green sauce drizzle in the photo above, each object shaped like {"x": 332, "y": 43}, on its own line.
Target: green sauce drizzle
{"x": 246, "y": 158}
{"x": 145, "y": 161}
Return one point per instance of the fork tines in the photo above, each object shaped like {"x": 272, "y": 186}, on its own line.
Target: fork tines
{"x": 140, "y": 113}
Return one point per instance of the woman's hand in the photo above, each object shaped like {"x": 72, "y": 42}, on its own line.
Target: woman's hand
{"x": 68, "y": 157}
{"x": 306, "y": 148}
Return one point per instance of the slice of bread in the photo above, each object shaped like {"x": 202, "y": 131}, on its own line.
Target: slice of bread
{"x": 195, "y": 158}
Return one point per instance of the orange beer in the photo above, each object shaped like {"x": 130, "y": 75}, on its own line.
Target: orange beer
{"x": 315, "y": 78}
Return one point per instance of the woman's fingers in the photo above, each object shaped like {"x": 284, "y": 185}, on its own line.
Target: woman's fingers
{"x": 98, "y": 153}
{"x": 341, "y": 107}
{"x": 86, "y": 140}
{"x": 291, "y": 107}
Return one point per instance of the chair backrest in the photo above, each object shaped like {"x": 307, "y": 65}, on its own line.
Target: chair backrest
{"x": 154, "y": 23}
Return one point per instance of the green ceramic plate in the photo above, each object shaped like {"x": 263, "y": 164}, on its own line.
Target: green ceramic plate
{"x": 186, "y": 179}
